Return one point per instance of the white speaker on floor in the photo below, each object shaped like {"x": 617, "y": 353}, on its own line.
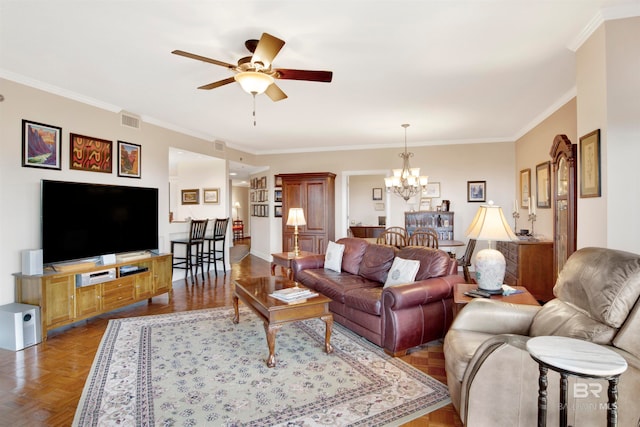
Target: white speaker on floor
{"x": 32, "y": 262}
{"x": 20, "y": 326}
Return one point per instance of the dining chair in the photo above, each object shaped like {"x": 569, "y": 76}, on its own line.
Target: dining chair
{"x": 194, "y": 248}
{"x": 392, "y": 238}
{"x": 428, "y": 238}
{"x": 216, "y": 243}
{"x": 465, "y": 260}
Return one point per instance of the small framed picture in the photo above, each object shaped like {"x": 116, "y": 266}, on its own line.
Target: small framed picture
{"x": 432, "y": 190}
{"x": 590, "y": 165}
{"x": 211, "y": 195}
{"x": 90, "y": 154}
{"x": 278, "y": 181}
{"x": 129, "y": 156}
{"x": 476, "y": 191}
{"x": 525, "y": 187}
{"x": 378, "y": 206}
{"x": 277, "y": 211}
{"x": 543, "y": 185}
{"x": 191, "y": 197}
{"x": 277, "y": 196}
{"x": 377, "y": 194}
{"x": 41, "y": 145}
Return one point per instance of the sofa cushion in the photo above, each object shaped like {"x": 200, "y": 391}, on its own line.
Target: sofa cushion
{"x": 604, "y": 283}
{"x": 353, "y": 252}
{"x": 402, "y": 271}
{"x": 433, "y": 262}
{"x": 336, "y": 285}
{"x": 559, "y": 318}
{"x": 333, "y": 257}
{"x": 368, "y": 300}
{"x": 376, "y": 262}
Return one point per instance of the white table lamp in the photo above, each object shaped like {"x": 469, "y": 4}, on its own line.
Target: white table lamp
{"x": 296, "y": 218}
{"x": 491, "y": 225}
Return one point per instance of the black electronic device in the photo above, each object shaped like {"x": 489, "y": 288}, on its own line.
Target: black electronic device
{"x": 81, "y": 220}
{"x": 477, "y": 293}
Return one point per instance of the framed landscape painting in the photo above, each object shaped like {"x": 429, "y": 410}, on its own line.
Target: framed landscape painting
{"x": 129, "y": 156}
{"x": 41, "y": 145}
{"x": 190, "y": 197}
{"x": 211, "y": 195}
{"x": 90, "y": 154}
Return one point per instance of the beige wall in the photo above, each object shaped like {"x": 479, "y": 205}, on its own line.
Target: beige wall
{"x": 608, "y": 93}
{"x": 533, "y": 149}
{"x": 20, "y": 186}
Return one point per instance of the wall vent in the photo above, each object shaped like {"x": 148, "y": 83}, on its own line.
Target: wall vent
{"x": 129, "y": 120}
{"x": 219, "y": 146}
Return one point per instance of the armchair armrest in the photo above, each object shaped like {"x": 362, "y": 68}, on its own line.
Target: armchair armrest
{"x": 495, "y": 317}
{"x": 306, "y": 263}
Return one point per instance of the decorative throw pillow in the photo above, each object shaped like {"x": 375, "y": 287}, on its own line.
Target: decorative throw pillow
{"x": 333, "y": 257}
{"x": 402, "y": 271}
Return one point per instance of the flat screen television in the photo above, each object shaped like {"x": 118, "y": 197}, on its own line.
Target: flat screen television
{"x": 81, "y": 221}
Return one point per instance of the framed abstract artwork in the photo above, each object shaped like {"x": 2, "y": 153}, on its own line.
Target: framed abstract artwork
{"x": 129, "y": 160}
{"x": 41, "y": 145}
{"x": 90, "y": 154}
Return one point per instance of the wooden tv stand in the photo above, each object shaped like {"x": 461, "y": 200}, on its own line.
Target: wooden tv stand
{"x": 62, "y": 303}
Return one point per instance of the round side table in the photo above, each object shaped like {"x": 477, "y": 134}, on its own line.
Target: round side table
{"x": 570, "y": 356}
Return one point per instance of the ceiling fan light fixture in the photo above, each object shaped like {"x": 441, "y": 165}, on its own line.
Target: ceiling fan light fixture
{"x": 254, "y": 82}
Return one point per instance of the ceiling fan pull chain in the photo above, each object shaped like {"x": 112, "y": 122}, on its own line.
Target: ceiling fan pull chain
{"x": 254, "y": 109}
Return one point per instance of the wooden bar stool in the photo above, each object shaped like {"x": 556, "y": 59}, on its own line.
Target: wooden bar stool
{"x": 194, "y": 248}
{"x": 215, "y": 251}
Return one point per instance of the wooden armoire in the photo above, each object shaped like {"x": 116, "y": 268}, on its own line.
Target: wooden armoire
{"x": 315, "y": 194}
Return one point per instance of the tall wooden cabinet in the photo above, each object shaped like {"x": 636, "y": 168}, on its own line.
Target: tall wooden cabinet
{"x": 315, "y": 194}
{"x": 529, "y": 264}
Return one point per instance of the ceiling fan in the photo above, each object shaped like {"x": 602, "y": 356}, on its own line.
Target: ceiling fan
{"x": 255, "y": 73}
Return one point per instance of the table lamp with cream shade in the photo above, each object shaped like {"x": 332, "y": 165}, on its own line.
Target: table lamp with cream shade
{"x": 296, "y": 218}
{"x": 490, "y": 224}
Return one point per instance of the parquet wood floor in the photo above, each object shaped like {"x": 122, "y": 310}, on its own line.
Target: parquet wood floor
{"x": 41, "y": 385}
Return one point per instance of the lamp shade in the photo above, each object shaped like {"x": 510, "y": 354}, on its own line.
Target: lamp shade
{"x": 296, "y": 217}
{"x": 490, "y": 224}
{"x": 254, "y": 82}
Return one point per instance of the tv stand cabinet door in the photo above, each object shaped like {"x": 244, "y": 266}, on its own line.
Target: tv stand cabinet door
{"x": 88, "y": 301}
{"x": 162, "y": 272}
{"x": 59, "y": 304}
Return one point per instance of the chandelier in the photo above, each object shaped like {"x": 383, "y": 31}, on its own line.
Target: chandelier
{"x": 406, "y": 182}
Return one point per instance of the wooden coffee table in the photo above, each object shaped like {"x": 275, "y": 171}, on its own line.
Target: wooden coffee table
{"x": 460, "y": 299}
{"x": 254, "y": 292}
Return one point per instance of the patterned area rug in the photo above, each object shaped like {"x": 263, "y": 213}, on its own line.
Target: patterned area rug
{"x": 198, "y": 368}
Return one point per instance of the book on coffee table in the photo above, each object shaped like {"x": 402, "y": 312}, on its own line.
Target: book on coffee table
{"x": 293, "y": 294}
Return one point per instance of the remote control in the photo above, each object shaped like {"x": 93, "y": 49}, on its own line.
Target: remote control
{"x": 477, "y": 293}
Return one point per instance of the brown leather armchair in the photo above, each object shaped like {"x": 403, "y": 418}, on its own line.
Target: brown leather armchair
{"x": 493, "y": 380}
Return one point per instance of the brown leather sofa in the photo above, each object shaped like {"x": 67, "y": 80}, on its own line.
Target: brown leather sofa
{"x": 493, "y": 380}
{"x": 396, "y": 318}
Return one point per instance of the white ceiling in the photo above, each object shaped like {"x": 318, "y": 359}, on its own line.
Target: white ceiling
{"x": 457, "y": 70}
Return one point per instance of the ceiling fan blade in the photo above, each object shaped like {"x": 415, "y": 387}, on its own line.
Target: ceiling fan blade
{"x": 267, "y": 49}
{"x": 203, "y": 58}
{"x": 310, "y": 75}
{"x": 218, "y": 83}
{"x": 275, "y": 93}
